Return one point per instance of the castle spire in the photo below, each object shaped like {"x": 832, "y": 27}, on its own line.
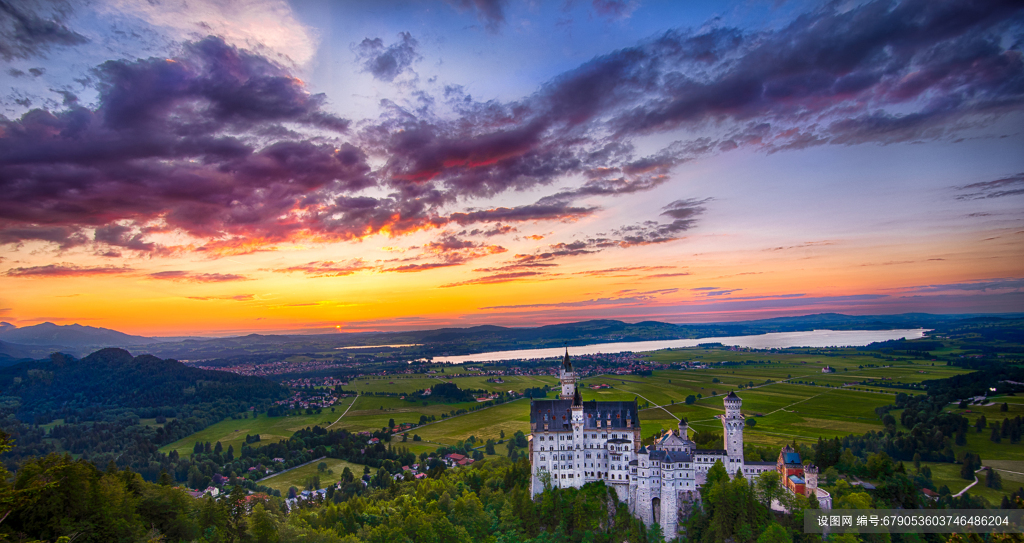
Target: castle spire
{"x": 567, "y": 377}
{"x": 577, "y": 399}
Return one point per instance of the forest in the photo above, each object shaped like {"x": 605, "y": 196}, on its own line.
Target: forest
{"x": 96, "y": 404}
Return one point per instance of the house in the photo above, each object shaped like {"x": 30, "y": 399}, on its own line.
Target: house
{"x": 828, "y": 369}
{"x": 792, "y": 470}
{"x": 455, "y": 459}
{"x": 930, "y": 494}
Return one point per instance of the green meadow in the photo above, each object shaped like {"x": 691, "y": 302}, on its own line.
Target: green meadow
{"x": 789, "y": 398}
{"x": 233, "y": 431}
{"x": 298, "y": 476}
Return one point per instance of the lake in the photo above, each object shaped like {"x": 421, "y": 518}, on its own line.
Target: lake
{"x": 776, "y": 340}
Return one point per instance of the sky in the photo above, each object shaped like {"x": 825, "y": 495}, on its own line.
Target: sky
{"x": 212, "y": 167}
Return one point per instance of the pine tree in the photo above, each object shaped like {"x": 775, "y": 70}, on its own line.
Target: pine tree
{"x": 993, "y": 479}
{"x": 995, "y": 437}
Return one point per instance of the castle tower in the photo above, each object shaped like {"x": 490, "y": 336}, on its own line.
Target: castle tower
{"x": 577, "y": 439}
{"x": 684, "y": 434}
{"x": 642, "y": 504}
{"x": 810, "y": 478}
{"x": 568, "y": 378}
{"x": 732, "y": 425}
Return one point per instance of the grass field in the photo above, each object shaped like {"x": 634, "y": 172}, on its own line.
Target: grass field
{"x": 298, "y": 476}
{"x": 784, "y": 408}
{"x": 233, "y": 431}
{"x": 949, "y": 475}
{"x": 789, "y": 398}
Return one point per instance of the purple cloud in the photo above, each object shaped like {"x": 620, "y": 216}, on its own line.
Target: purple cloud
{"x": 65, "y": 270}
{"x": 196, "y": 277}
{"x": 25, "y": 32}
{"x": 386, "y": 63}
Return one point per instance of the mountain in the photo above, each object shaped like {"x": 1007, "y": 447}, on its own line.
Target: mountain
{"x": 72, "y": 335}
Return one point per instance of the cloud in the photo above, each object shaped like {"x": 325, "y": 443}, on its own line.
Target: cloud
{"x": 116, "y": 235}
{"x": 993, "y": 284}
{"x": 722, "y": 292}
{"x": 624, "y": 271}
{"x": 176, "y": 145}
{"x": 224, "y": 146}
{"x": 236, "y": 298}
{"x": 267, "y": 26}
{"x": 880, "y": 72}
{"x": 65, "y": 269}
{"x": 328, "y": 268}
{"x": 496, "y": 278}
{"x": 496, "y": 230}
{"x": 635, "y": 299}
{"x": 684, "y": 217}
{"x": 532, "y": 212}
{"x": 195, "y": 277}
{"x": 614, "y": 9}
{"x": 1006, "y": 186}
{"x": 445, "y": 252}
{"x": 64, "y": 237}
{"x": 448, "y": 251}
{"x": 387, "y": 63}
{"x": 490, "y": 12}
{"x": 30, "y": 28}
{"x": 717, "y": 291}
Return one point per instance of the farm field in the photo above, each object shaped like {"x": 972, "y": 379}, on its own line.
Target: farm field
{"x": 233, "y": 431}
{"x": 789, "y": 398}
{"x": 375, "y": 412}
{"x": 415, "y": 382}
{"x": 484, "y": 424}
{"x": 297, "y": 477}
{"x": 784, "y": 409}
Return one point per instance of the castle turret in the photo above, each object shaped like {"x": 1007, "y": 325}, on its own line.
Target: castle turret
{"x": 578, "y": 439}
{"x": 810, "y": 478}
{"x": 567, "y": 377}
{"x": 732, "y": 425}
{"x": 684, "y": 435}
{"x": 642, "y": 505}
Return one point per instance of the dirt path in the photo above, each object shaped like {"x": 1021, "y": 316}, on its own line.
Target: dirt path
{"x": 968, "y": 487}
{"x": 346, "y": 411}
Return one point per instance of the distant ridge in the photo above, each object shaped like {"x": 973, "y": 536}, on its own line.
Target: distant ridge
{"x": 40, "y": 340}
{"x": 71, "y": 335}
{"x": 470, "y": 340}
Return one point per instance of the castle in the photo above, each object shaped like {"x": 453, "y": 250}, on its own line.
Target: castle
{"x": 573, "y": 442}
